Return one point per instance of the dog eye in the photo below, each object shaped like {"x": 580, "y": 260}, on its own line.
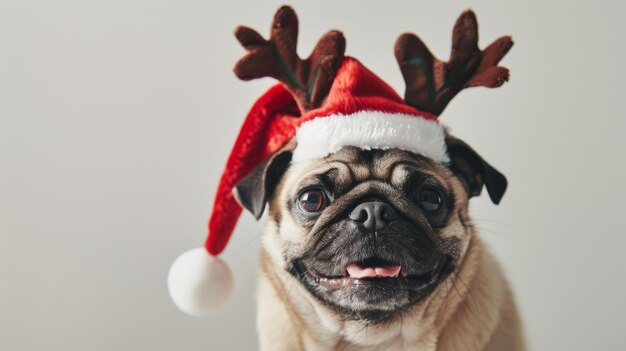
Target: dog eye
{"x": 312, "y": 200}
{"x": 430, "y": 200}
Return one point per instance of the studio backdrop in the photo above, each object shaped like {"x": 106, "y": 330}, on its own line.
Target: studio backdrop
{"x": 116, "y": 119}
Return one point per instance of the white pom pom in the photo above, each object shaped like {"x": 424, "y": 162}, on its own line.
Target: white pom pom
{"x": 199, "y": 283}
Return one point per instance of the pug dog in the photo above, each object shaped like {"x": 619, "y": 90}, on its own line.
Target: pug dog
{"x": 373, "y": 248}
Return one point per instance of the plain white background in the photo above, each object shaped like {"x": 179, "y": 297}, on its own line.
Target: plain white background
{"x": 116, "y": 118}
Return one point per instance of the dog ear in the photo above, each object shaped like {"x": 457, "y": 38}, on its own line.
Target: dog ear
{"x": 255, "y": 189}
{"x": 475, "y": 171}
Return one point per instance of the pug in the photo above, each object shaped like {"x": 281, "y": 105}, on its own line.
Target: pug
{"x": 367, "y": 241}
{"x": 375, "y": 250}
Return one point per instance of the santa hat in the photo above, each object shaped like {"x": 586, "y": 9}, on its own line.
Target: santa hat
{"x": 325, "y": 102}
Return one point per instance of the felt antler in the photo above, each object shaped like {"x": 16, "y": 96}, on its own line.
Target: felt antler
{"x": 308, "y": 80}
{"x": 431, "y": 83}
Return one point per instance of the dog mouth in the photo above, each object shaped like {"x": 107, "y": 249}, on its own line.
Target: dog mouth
{"x": 373, "y": 277}
{"x": 374, "y": 289}
{"x": 375, "y": 270}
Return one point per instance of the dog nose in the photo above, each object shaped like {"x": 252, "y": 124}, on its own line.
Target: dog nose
{"x": 373, "y": 215}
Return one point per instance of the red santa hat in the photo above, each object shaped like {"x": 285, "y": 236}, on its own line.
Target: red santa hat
{"x": 342, "y": 104}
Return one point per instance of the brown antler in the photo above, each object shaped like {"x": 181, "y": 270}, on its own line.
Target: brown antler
{"x": 308, "y": 80}
{"x": 431, "y": 83}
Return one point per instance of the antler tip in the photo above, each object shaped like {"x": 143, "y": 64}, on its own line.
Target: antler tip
{"x": 468, "y": 14}
{"x": 467, "y": 21}
{"x": 248, "y": 37}
{"x": 285, "y": 17}
{"x": 403, "y": 38}
{"x": 335, "y": 33}
{"x": 405, "y": 43}
{"x": 337, "y": 39}
{"x": 509, "y": 41}
{"x": 238, "y": 29}
{"x": 285, "y": 8}
{"x": 505, "y": 76}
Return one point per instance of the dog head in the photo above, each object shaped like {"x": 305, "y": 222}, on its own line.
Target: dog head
{"x": 370, "y": 232}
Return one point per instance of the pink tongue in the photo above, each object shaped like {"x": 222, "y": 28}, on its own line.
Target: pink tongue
{"x": 357, "y": 271}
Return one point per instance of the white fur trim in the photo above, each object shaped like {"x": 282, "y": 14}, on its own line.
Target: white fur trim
{"x": 367, "y": 130}
{"x": 199, "y": 283}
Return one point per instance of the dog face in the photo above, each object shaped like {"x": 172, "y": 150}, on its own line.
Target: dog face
{"x": 370, "y": 233}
